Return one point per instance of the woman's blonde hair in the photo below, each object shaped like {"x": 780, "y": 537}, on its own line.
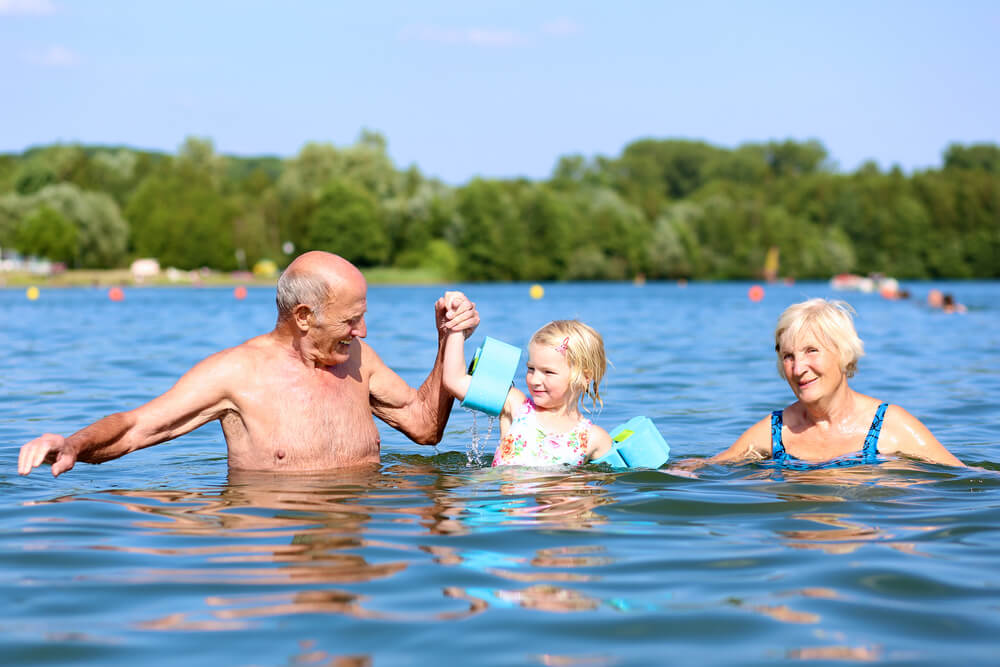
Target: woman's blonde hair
{"x": 584, "y": 350}
{"x": 830, "y": 320}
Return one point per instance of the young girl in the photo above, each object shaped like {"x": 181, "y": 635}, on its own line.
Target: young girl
{"x": 565, "y": 362}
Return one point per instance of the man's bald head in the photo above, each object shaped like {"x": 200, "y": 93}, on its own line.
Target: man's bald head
{"x": 314, "y": 278}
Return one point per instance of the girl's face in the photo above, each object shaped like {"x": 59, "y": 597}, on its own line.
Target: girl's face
{"x": 548, "y": 377}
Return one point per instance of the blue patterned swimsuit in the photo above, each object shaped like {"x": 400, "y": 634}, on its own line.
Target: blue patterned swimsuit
{"x": 868, "y": 453}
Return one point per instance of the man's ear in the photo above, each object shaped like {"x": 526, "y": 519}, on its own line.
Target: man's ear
{"x": 302, "y": 315}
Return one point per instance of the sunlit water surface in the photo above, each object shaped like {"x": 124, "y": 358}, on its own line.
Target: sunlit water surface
{"x": 165, "y": 557}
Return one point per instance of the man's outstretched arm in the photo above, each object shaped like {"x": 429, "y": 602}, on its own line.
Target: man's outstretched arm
{"x": 197, "y": 398}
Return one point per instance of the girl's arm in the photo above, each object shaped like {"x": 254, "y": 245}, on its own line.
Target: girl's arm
{"x": 515, "y": 397}
{"x": 456, "y": 380}
{"x": 599, "y": 443}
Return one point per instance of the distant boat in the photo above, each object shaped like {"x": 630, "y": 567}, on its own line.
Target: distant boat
{"x": 875, "y": 282}
{"x": 771, "y": 263}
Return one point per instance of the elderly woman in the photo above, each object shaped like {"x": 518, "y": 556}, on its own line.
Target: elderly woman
{"x": 830, "y": 424}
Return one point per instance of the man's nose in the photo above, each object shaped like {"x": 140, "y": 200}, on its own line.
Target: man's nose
{"x": 361, "y": 330}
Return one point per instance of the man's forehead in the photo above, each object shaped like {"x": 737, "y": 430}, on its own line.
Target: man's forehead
{"x": 348, "y": 302}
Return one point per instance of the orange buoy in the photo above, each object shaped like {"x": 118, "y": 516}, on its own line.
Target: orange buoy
{"x": 756, "y": 293}
{"x": 116, "y": 294}
{"x": 240, "y": 292}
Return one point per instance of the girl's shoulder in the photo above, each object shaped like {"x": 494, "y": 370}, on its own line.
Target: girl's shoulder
{"x": 517, "y": 403}
{"x": 599, "y": 439}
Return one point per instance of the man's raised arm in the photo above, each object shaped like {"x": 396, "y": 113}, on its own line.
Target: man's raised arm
{"x": 197, "y": 398}
{"x": 421, "y": 414}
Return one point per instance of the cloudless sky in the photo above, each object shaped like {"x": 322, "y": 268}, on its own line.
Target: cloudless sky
{"x": 502, "y": 89}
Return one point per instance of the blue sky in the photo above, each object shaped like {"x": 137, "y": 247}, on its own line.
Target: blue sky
{"x": 502, "y": 89}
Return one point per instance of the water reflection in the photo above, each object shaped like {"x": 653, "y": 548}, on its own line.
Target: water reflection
{"x": 840, "y": 653}
{"x": 543, "y": 597}
{"x": 311, "y": 655}
{"x": 844, "y": 532}
{"x": 356, "y": 526}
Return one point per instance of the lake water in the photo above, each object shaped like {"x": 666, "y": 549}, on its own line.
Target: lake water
{"x": 164, "y": 557}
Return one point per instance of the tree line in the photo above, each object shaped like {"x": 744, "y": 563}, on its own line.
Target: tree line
{"x": 662, "y": 209}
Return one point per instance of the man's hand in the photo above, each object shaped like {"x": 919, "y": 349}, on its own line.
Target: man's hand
{"x": 454, "y": 313}
{"x": 49, "y": 447}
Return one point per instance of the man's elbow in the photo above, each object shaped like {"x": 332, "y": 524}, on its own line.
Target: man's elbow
{"x": 429, "y": 436}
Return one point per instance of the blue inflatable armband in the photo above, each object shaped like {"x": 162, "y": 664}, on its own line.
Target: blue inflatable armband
{"x": 492, "y": 369}
{"x": 636, "y": 444}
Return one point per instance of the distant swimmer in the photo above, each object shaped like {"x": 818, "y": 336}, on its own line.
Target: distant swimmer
{"x": 299, "y": 398}
{"x": 949, "y": 305}
{"x": 830, "y": 424}
{"x": 935, "y": 299}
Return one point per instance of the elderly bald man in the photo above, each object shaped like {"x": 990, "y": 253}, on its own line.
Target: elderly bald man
{"x": 299, "y": 398}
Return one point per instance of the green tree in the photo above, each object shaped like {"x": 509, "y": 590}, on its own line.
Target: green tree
{"x": 102, "y": 233}
{"x": 416, "y": 218}
{"x": 609, "y": 222}
{"x": 974, "y": 156}
{"x": 794, "y": 158}
{"x": 46, "y": 233}
{"x": 547, "y": 218}
{"x": 674, "y": 251}
{"x": 652, "y": 172}
{"x": 346, "y": 221}
{"x": 489, "y": 237}
{"x": 179, "y": 216}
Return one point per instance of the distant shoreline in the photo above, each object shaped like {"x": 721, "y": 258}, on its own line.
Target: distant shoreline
{"x": 124, "y": 278}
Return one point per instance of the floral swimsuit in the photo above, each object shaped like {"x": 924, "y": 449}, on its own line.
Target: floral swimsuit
{"x": 527, "y": 444}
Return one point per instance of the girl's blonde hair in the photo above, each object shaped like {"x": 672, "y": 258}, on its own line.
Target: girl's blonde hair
{"x": 584, "y": 350}
{"x": 830, "y": 320}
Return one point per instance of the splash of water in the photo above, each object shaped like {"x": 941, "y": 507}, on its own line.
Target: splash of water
{"x": 475, "y": 449}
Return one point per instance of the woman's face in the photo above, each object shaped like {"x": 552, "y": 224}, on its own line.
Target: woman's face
{"x": 811, "y": 365}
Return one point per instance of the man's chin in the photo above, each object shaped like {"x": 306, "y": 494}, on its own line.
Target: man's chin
{"x": 340, "y": 355}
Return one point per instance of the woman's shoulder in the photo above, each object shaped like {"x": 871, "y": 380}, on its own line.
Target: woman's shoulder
{"x": 899, "y": 423}
{"x": 902, "y": 433}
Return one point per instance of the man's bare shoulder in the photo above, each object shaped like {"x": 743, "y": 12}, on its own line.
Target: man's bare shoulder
{"x": 250, "y": 356}
{"x": 270, "y": 347}
{"x": 368, "y": 359}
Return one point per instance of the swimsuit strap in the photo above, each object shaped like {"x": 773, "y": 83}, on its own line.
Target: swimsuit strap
{"x": 778, "y": 453}
{"x": 870, "y": 450}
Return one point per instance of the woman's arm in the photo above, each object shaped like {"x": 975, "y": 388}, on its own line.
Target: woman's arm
{"x": 902, "y": 433}
{"x": 755, "y": 443}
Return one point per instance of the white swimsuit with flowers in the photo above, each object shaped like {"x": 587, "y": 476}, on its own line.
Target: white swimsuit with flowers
{"x": 527, "y": 444}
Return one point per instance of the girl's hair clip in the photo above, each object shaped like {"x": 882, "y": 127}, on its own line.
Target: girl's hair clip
{"x": 561, "y": 348}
